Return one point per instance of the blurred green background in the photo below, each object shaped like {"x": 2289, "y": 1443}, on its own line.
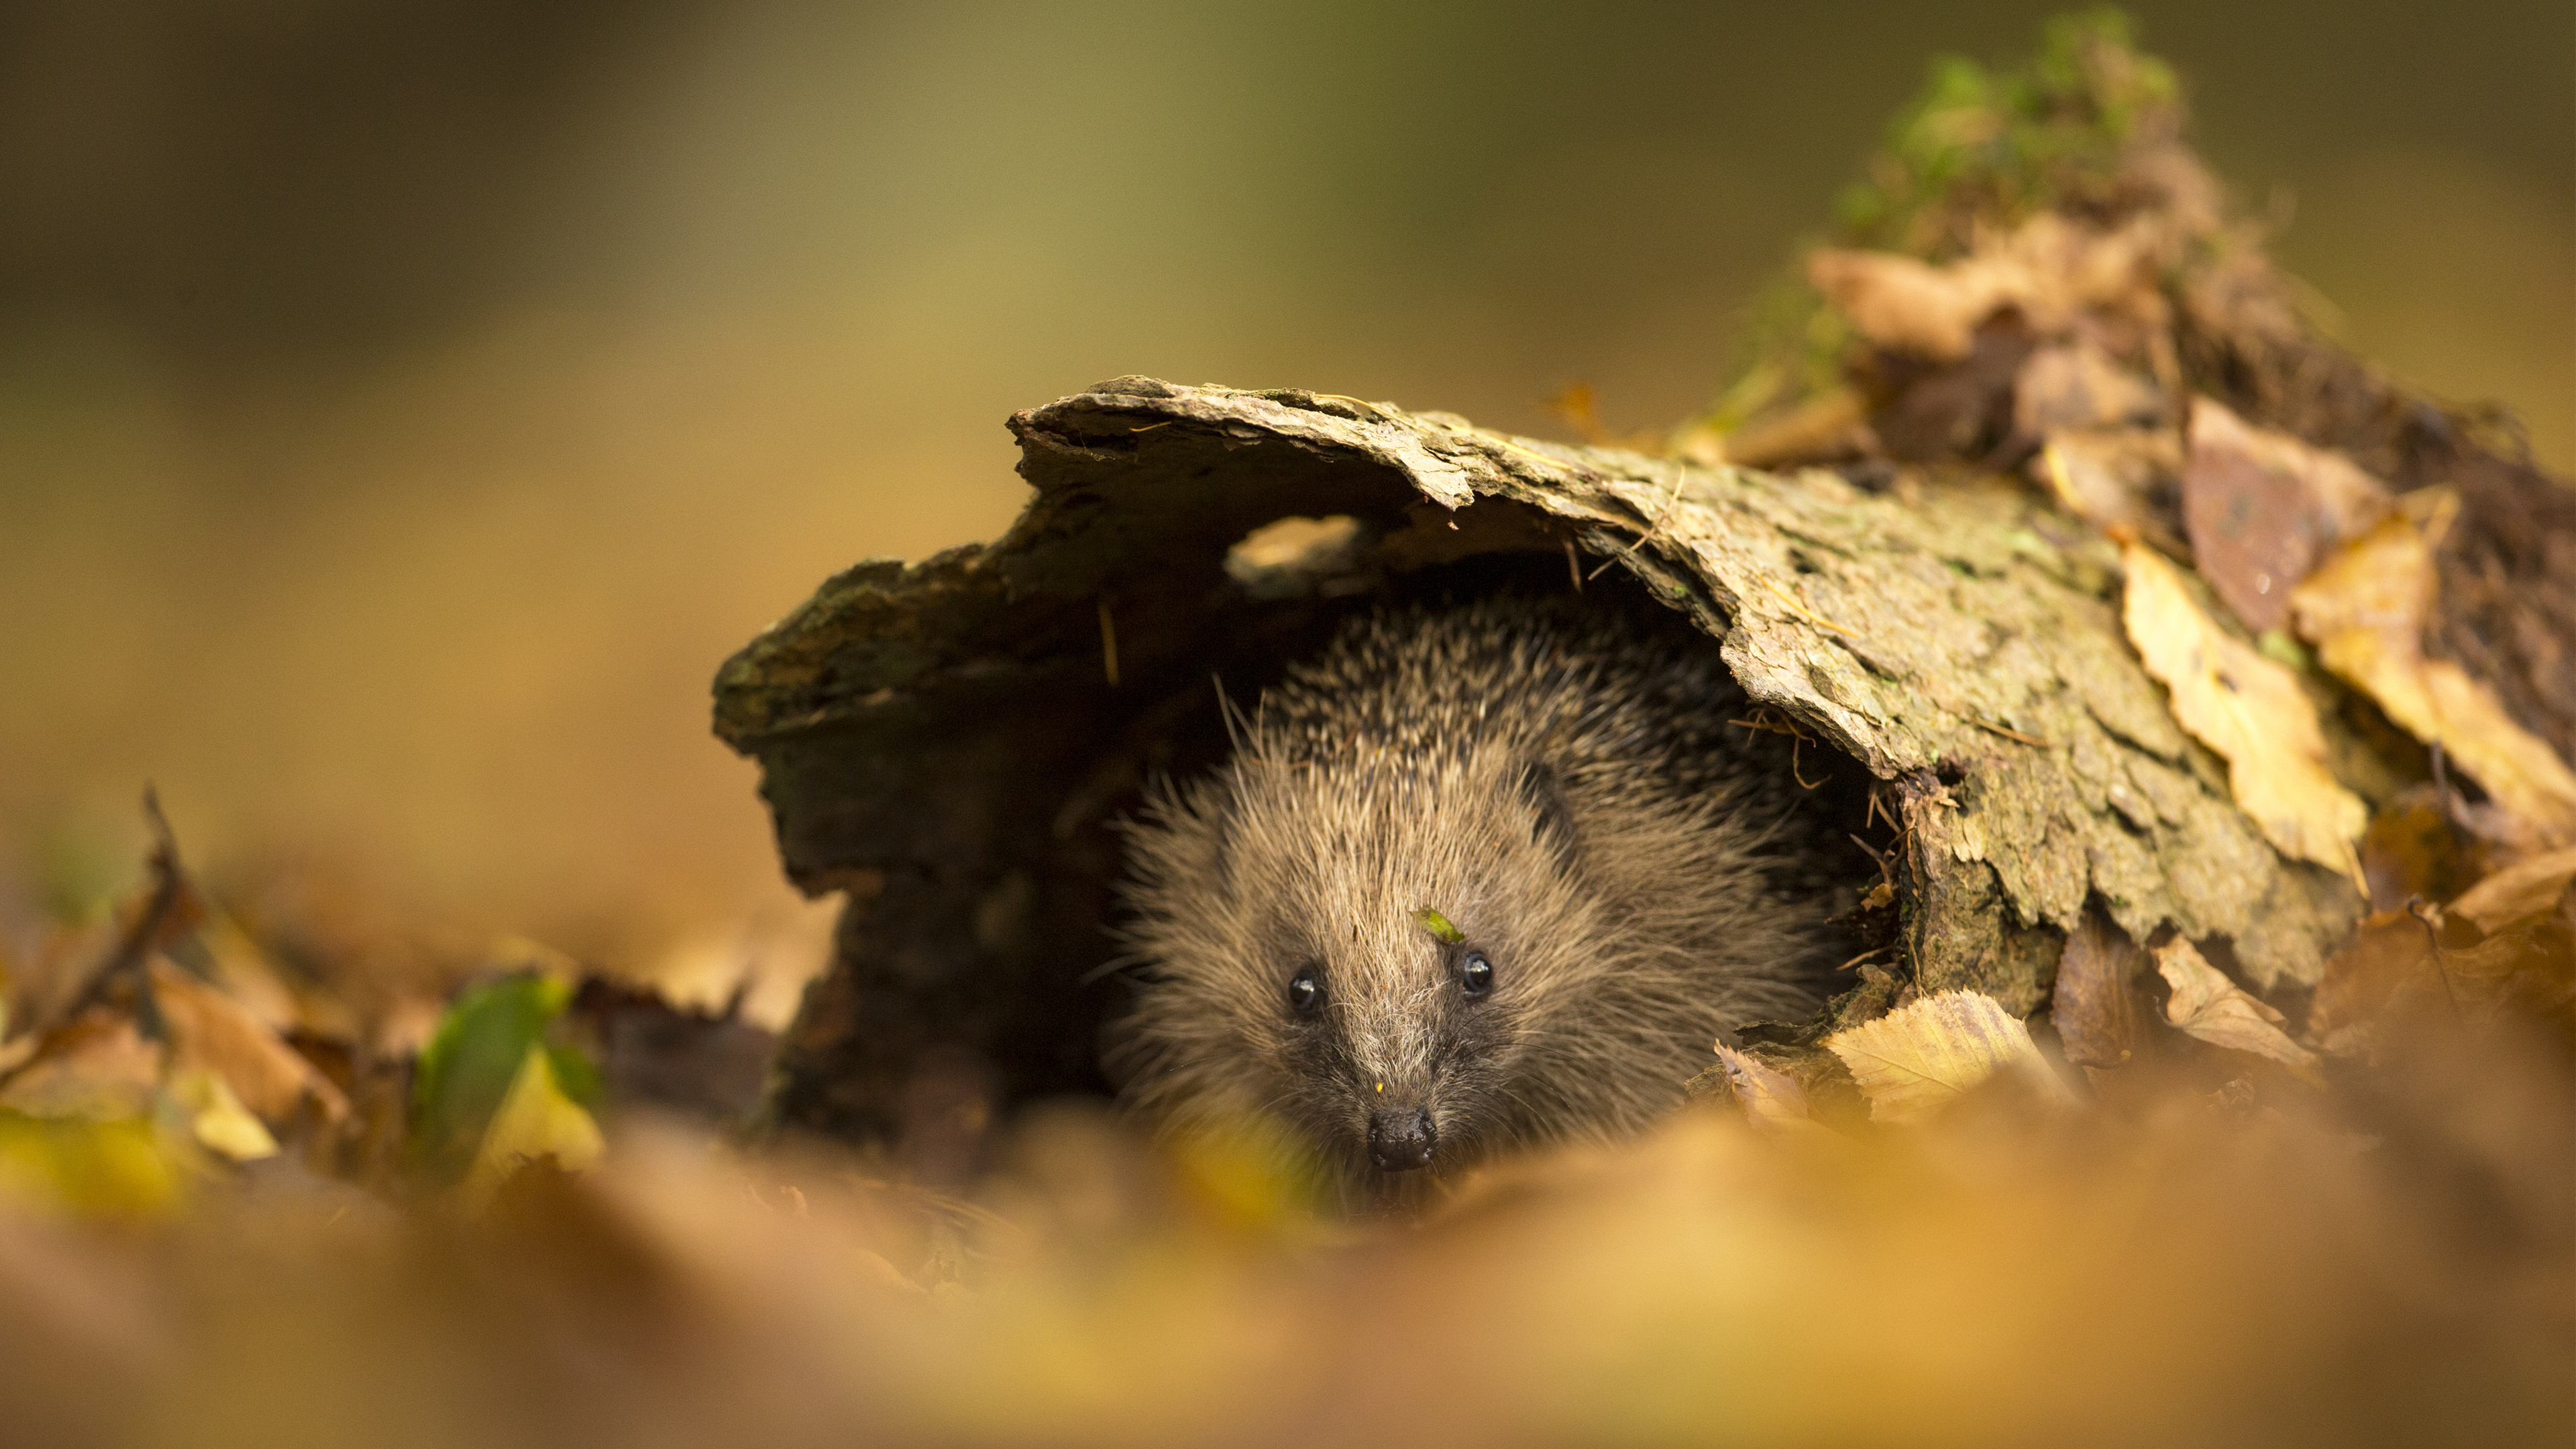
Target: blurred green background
{"x": 404, "y": 407}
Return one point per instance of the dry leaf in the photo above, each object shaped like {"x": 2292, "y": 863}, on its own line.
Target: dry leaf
{"x": 1918, "y": 1059}
{"x": 2206, "y": 1005}
{"x": 2395, "y": 965}
{"x": 2365, "y": 612}
{"x": 242, "y": 970}
{"x": 1772, "y": 1100}
{"x": 2528, "y": 887}
{"x": 536, "y": 1120}
{"x": 2048, "y": 269}
{"x": 2262, "y": 508}
{"x": 2251, "y": 711}
{"x": 2094, "y": 1004}
{"x": 2118, "y": 477}
{"x": 1899, "y": 302}
{"x": 96, "y": 1065}
{"x": 2075, "y": 386}
{"x": 219, "y": 1036}
{"x": 218, "y": 1120}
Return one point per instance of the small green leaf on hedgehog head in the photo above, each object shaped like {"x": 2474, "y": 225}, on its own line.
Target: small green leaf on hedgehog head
{"x": 1438, "y": 925}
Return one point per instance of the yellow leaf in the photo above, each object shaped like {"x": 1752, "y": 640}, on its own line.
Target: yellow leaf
{"x": 1772, "y": 1100}
{"x": 218, "y": 1119}
{"x": 1915, "y": 1060}
{"x": 2251, "y": 711}
{"x": 2206, "y": 1005}
{"x": 535, "y": 1120}
{"x": 108, "y": 1169}
{"x": 2528, "y": 887}
{"x": 2365, "y": 610}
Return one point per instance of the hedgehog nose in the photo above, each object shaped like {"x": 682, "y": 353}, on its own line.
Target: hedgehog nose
{"x": 1401, "y": 1138}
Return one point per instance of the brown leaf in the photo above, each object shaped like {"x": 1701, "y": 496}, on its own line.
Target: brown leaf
{"x": 2529, "y": 887}
{"x": 2208, "y": 1006}
{"x": 2119, "y": 478}
{"x": 1772, "y": 1100}
{"x": 2262, "y": 508}
{"x": 2251, "y": 711}
{"x": 1918, "y": 1059}
{"x": 96, "y": 1065}
{"x": 2075, "y": 386}
{"x": 2094, "y": 1003}
{"x": 2048, "y": 269}
{"x": 1896, "y": 301}
{"x": 2365, "y": 610}
{"x": 2395, "y": 965}
{"x": 214, "y": 1034}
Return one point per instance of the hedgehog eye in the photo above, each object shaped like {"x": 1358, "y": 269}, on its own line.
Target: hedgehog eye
{"x": 1306, "y": 992}
{"x": 1477, "y": 974}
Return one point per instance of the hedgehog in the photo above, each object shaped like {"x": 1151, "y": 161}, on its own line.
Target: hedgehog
{"x": 1473, "y": 878}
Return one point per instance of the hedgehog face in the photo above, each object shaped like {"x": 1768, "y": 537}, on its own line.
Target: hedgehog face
{"x": 1362, "y": 953}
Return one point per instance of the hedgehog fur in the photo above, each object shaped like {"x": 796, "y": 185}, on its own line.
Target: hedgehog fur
{"x": 1473, "y": 878}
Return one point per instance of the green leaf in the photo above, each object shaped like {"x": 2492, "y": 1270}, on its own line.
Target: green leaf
{"x": 1438, "y": 925}
{"x": 470, "y": 1062}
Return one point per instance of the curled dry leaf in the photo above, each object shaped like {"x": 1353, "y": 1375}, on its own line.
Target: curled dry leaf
{"x": 2094, "y": 1004}
{"x": 2262, "y": 509}
{"x": 1918, "y": 1059}
{"x": 1772, "y": 1100}
{"x": 2251, "y": 711}
{"x": 2365, "y": 610}
{"x": 2208, "y": 1006}
{"x": 2529, "y": 887}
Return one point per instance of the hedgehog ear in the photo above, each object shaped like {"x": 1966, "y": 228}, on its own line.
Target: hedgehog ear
{"x": 1545, "y": 794}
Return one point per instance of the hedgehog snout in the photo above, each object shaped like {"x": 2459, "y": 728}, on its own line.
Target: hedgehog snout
{"x": 1401, "y": 1137}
